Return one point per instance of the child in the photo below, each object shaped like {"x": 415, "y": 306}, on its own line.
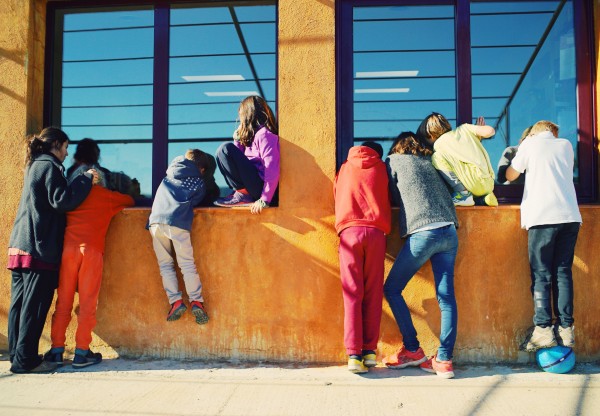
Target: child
{"x": 250, "y": 164}
{"x": 461, "y": 159}
{"x": 362, "y": 219}
{"x": 81, "y": 269}
{"x": 507, "y": 156}
{"x": 36, "y": 243}
{"x": 550, "y": 213}
{"x": 428, "y": 221}
{"x": 170, "y": 224}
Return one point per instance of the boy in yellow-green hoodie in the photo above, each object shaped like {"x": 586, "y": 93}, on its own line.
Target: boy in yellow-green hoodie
{"x": 461, "y": 158}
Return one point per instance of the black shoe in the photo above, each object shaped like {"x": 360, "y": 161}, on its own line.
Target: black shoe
{"x": 91, "y": 358}
{"x": 54, "y": 357}
{"x": 44, "y": 367}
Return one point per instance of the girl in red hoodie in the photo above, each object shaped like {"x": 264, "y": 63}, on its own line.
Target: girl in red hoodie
{"x": 362, "y": 219}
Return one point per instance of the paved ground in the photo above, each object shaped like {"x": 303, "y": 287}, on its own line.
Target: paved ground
{"x": 167, "y": 387}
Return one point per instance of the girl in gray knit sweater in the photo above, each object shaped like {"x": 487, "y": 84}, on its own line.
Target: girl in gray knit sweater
{"x": 428, "y": 222}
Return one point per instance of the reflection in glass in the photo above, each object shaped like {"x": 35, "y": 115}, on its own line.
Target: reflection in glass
{"x": 232, "y": 55}
{"x": 404, "y": 68}
{"x": 523, "y": 68}
{"x": 106, "y": 86}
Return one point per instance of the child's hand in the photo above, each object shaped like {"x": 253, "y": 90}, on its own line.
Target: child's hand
{"x": 258, "y": 206}
{"x": 480, "y": 121}
{"x": 95, "y": 176}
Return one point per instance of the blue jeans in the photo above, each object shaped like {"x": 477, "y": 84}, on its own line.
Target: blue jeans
{"x": 551, "y": 253}
{"x": 440, "y": 246}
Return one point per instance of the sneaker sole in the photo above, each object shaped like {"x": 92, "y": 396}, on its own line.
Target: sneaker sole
{"x": 410, "y": 364}
{"x": 176, "y": 315}
{"x": 201, "y": 316}
{"x": 534, "y": 348}
{"x": 83, "y": 365}
{"x": 358, "y": 370}
{"x": 241, "y": 205}
{"x": 448, "y": 375}
{"x": 370, "y": 364}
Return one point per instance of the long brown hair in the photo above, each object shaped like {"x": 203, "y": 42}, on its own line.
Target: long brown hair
{"x": 408, "y": 143}
{"x": 254, "y": 113}
{"x": 48, "y": 139}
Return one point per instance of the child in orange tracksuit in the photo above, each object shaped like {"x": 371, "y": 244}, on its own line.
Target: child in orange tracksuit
{"x": 362, "y": 219}
{"x": 81, "y": 271}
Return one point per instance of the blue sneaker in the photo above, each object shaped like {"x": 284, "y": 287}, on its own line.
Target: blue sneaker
{"x": 461, "y": 200}
{"x": 54, "y": 357}
{"x": 237, "y": 199}
{"x": 90, "y": 358}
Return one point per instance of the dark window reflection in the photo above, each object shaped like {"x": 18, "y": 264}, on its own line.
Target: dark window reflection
{"x": 103, "y": 88}
{"x": 523, "y": 66}
{"x": 404, "y": 68}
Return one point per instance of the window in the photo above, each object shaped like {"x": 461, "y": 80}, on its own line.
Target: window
{"x": 512, "y": 62}
{"x": 148, "y": 82}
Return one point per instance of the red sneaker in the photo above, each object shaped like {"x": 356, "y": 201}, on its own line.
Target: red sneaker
{"x": 404, "y": 358}
{"x": 443, "y": 369}
{"x": 177, "y": 309}
{"x": 199, "y": 312}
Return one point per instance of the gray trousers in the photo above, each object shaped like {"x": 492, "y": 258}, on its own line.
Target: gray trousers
{"x": 165, "y": 240}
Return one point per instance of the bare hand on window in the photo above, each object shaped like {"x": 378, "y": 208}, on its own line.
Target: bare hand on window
{"x": 258, "y": 206}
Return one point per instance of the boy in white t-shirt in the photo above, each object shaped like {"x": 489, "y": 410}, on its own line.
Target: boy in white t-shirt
{"x": 550, "y": 213}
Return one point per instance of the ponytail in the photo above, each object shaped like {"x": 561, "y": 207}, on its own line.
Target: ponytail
{"x": 48, "y": 139}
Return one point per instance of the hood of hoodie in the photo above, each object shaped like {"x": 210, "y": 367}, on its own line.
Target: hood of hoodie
{"x": 363, "y": 157}
{"x": 181, "y": 168}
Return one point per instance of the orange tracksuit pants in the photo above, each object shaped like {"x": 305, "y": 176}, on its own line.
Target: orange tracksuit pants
{"x": 81, "y": 271}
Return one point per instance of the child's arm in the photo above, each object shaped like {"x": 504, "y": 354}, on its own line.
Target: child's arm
{"x": 512, "y": 174}
{"x": 482, "y": 130}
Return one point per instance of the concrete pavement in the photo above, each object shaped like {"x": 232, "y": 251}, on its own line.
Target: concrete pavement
{"x": 169, "y": 387}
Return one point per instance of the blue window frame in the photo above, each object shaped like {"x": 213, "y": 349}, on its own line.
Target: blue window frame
{"x": 149, "y": 79}
{"x": 512, "y": 62}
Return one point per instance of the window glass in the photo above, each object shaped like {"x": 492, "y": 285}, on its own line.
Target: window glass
{"x": 404, "y": 68}
{"x": 208, "y": 78}
{"x": 106, "y": 77}
{"x": 523, "y": 69}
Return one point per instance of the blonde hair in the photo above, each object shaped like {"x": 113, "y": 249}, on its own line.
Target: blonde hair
{"x": 525, "y": 134}
{"x": 433, "y": 126}
{"x": 199, "y": 158}
{"x": 544, "y": 125}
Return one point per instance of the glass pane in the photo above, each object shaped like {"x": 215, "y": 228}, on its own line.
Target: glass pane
{"x": 232, "y": 56}
{"x": 404, "y": 68}
{"x": 523, "y": 76}
{"x": 107, "y": 85}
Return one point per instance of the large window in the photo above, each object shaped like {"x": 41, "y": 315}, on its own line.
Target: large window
{"x": 512, "y": 62}
{"x": 152, "y": 80}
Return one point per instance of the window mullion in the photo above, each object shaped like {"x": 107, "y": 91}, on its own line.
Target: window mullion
{"x": 463, "y": 62}
{"x": 160, "y": 112}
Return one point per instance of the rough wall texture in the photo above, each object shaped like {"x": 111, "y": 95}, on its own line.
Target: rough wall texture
{"x": 272, "y": 281}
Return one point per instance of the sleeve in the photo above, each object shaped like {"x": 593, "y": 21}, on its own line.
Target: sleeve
{"x": 268, "y": 146}
{"x": 520, "y": 161}
{"x": 392, "y": 188}
{"x": 63, "y": 197}
{"x": 199, "y": 194}
{"x": 120, "y": 201}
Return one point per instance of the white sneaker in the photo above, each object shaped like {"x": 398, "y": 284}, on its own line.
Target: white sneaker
{"x": 540, "y": 338}
{"x": 565, "y": 336}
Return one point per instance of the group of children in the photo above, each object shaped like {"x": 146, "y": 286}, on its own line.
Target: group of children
{"x": 427, "y": 175}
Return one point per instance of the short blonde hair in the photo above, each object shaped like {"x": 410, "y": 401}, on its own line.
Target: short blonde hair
{"x": 199, "y": 158}
{"x": 433, "y": 126}
{"x": 544, "y": 125}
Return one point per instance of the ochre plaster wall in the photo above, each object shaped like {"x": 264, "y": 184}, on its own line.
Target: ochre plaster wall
{"x": 271, "y": 282}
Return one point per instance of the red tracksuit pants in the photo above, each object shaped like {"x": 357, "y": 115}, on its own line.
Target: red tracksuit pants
{"x": 81, "y": 271}
{"x": 362, "y": 255}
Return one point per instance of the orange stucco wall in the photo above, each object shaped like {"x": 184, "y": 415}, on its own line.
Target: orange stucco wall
{"x": 271, "y": 282}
